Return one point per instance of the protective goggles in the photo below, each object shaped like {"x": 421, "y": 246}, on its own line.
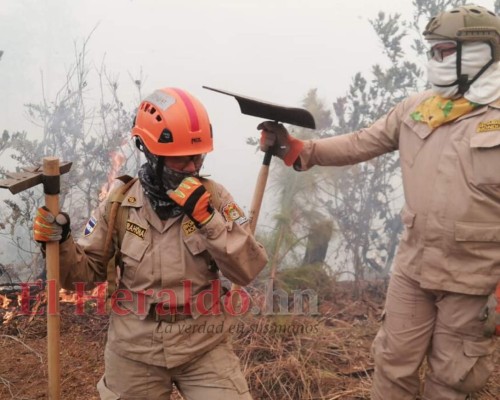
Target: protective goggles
{"x": 439, "y": 51}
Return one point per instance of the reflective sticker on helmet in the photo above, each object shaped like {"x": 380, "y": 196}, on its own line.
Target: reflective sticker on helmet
{"x": 160, "y": 99}
{"x": 193, "y": 116}
{"x": 493, "y": 125}
{"x": 91, "y": 224}
{"x": 233, "y": 213}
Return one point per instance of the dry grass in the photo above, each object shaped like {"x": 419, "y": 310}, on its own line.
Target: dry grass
{"x": 283, "y": 357}
{"x": 302, "y": 358}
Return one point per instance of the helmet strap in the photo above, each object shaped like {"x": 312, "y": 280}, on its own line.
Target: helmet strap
{"x": 468, "y": 84}
{"x": 159, "y": 173}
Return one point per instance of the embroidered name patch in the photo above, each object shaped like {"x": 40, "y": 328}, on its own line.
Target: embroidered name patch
{"x": 89, "y": 228}
{"x": 188, "y": 227}
{"x": 135, "y": 229}
{"x": 233, "y": 213}
{"x": 493, "y": 125}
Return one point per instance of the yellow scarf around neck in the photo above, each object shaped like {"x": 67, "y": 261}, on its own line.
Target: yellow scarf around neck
{"x": 436, "y": 110}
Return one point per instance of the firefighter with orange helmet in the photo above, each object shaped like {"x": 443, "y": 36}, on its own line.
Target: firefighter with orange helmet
{"x": 170, "y": 319}
{"x": 443, "y": 300}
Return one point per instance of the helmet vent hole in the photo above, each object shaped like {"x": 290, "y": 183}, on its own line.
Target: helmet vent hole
{"x": 152, "y": 110}
{"x": 158, "y": 118}
{"x": 475, "y": 11}
{"x": 146, "y": 107}
{"x": 454, "y": 11}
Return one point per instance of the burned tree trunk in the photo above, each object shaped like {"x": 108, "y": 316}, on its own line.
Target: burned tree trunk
{"x": 318, "y": 239}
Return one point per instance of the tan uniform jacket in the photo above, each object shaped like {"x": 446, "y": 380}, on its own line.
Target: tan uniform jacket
{"x": 451, "y": 181}
{"x": 167, "y": 261}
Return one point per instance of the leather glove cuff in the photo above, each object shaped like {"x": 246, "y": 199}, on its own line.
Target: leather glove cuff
{"x": 296, "y": 147}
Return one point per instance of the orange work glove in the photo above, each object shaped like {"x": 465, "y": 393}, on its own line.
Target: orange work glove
{"x": 491, "y": 314}
{"x": 276, "y": 138}
{"x": 192, "y": 196}
{"x": 47, "y": 228}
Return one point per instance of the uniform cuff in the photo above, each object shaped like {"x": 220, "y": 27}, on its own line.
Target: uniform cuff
{"x": 213, "y": 228}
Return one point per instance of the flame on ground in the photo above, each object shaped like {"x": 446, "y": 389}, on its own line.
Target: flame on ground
{"x": 66, "y": 296}
{"x": 4, "y": 301}
{"x": 10, "y": 307}
{"x": 5, "y": 304}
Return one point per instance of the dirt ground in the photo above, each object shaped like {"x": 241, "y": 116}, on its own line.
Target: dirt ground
{"x": 329, "y": 361}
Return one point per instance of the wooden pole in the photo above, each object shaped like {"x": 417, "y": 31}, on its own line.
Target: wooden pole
{"x": 51, "y": 171}
{"x": 258, "y": 195}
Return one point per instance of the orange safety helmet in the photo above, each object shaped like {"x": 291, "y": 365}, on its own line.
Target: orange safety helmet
{"x": 172, "y": 122}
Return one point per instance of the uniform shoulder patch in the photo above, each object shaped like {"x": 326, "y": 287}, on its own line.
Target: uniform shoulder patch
{"x": 89, "y": 228}
{"x": 488, "y": 126}
{"x": 135, "y": 229}
{"x": 233, "y": 213}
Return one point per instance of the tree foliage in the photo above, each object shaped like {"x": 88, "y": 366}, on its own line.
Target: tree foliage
{"x": 73, "y": 128}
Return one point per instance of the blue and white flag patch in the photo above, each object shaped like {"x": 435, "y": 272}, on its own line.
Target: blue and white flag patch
{"x": 89, "y": 228}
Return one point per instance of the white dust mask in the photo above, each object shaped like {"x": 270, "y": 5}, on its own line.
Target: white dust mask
{"x": 443, "y": 73}
{"x": 475, "y": 55}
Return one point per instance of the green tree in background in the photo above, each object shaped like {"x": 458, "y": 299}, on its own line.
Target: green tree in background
{"x": 301, "y": 232}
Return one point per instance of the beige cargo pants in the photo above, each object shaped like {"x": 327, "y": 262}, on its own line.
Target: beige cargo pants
{"x": 215, "y": 375}
{"x": 442, "y": 326}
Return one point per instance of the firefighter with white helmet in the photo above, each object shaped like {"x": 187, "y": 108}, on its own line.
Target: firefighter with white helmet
{"x": 443, "y": 298}
{"x": 170, "y": 317}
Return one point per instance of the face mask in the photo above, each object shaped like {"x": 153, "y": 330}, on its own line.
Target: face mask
{"x": 474, "y": 56}
{"x": 443, "y": 73}
{"x": 171, "y": 179}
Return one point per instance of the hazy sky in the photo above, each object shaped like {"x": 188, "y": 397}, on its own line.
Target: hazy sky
{"x": 270, "y": 49}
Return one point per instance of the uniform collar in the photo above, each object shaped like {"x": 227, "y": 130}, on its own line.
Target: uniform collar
{"x": 136, "y": 198}
{"x": 495, "y": 104}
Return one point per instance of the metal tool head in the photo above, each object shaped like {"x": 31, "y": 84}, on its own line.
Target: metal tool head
{"x": 32, "y": 176}
{"x": 271, "y": 111}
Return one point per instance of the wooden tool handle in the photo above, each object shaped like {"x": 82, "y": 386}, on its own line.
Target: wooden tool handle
{"x": 258, "y": 195}
{"x": 51, "y": 187}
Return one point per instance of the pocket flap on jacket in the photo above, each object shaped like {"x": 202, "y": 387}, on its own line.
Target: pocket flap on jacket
{"x": 485, "y": 140}
{"x": 195, "y": 243}
{"x": 477, "y": 232}
{"x": 477, "y": 349}
{"x": 134, "y": 247}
